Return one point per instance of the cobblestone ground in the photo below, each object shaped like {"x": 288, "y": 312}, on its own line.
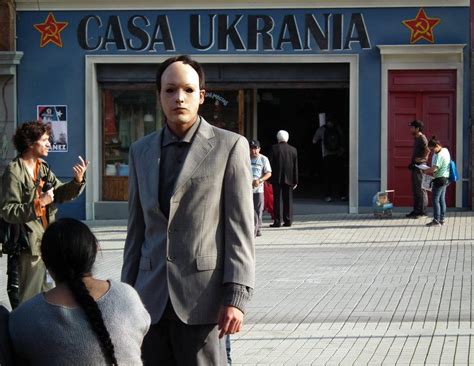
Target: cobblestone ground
{"x": 349, "y": 289}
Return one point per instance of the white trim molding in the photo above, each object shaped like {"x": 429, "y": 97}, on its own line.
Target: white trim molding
{"x": 92, "y": 108}
{"x": 45, "y": 5}
{"x": 8, "y": 62}
{"x": 422, "y": 57}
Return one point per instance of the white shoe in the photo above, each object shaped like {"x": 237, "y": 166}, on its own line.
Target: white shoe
{"x": 328, "y": 199}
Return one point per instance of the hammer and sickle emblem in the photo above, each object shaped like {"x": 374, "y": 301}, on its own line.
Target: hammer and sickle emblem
{"x": 51, "y": 28}
{"x": 422, "y": 26}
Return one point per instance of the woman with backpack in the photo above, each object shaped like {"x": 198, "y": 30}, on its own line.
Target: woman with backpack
{"x": 440, "y": 170}
{"x": 83, "y": 320}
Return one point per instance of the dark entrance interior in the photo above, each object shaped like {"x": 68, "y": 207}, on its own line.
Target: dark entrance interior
{"x": 297, "y": 111}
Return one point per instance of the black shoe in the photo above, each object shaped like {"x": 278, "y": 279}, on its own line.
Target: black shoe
{"x": 441, "y": 222}
{"x": 259, "y": 233}
{"x": 275, "y": 224}
{"x": 288, "y": 224}
{"x": 411, "y": 214}
{"x": 433, "y": 223}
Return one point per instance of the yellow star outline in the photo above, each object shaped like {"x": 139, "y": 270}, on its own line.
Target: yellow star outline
{"x": 50, "y": 31}
{"x": 421, "y": 27}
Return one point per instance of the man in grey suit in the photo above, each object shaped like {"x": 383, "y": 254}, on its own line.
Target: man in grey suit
{"x": 189, "y": 250}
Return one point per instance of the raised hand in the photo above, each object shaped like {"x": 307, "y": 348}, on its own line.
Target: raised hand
{"x": 79, "y": 169}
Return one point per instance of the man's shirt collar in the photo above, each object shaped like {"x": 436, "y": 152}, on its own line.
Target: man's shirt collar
{"x": 170, "y": 138}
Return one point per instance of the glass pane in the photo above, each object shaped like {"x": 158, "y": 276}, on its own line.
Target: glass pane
{"x": 127, "y": 116}
{"x": 222, "y": 108}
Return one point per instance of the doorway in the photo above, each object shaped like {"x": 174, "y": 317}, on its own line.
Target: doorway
{"x": 297, "y": 111}
{"x": 228, "y": 72}
{"x": 427, "y": 95}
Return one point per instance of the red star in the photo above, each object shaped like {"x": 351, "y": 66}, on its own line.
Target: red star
{"x": 50, "y": 31}
{"x": 421, "y": 27}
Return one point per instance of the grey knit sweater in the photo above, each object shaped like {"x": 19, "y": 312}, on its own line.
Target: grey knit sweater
{"x": 46, "y": 334}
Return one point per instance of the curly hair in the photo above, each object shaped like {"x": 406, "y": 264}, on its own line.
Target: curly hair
{"x": 185, "y": 60}
{"x": 69, "y": 249}
{"x": 28, "y": 133}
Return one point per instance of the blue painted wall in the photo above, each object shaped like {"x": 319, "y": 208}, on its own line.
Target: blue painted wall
{"x": 53, "y": 75}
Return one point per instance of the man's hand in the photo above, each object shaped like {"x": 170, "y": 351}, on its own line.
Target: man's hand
{"x": 230, "y": 320}
{"x": 79, "y": 170}
{"x": 46, "y": 198}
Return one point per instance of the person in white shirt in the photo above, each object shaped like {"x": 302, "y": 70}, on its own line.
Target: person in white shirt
{"x": 261, "y": 171}
{"x": 440, "y": 171}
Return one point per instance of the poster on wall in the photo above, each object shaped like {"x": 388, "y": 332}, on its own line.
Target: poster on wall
{"x": 56, "y": 117}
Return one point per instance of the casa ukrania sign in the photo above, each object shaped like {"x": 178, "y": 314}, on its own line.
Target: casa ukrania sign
{"x": 219, "y": 32}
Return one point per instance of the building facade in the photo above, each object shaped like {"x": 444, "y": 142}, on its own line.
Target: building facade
{"x": 9, "y": 59}
{"x": 88, "y": 68}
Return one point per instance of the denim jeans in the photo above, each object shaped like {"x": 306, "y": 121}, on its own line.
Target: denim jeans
{"x": 439, "y": 202}
{"x": 228, "y": 350}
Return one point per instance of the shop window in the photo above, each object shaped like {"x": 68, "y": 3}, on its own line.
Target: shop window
{"x": 128, "y": 114}
{"x": 131, "y": 112}
{"x": 224, "y": 109}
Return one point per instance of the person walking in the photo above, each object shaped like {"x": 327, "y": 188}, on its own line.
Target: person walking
{"x": 189, "y": 250}
{"x": 419, "y": 156}
{"x": 331, "y": 137}
{"x": 261, "y": 172}
{"x": 284, "y": 162}
{"x": 440, "y": 171}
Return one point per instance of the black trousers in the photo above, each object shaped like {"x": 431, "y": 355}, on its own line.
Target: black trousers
{"x": 420, "y": 196}
{"x": 333, "y": 177}
{"x": 282, "y": 192}
{"x": 170, "y": 342}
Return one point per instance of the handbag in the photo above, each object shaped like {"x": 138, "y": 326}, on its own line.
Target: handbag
{"x": 440, "y": 182}
{"x": 13, "y": 238}
{"x": 453, "y": 172}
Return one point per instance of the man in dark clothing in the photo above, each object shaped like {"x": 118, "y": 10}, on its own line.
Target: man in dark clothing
{"x": 284, "y": 162}
{"x": 420, "y": 156}
{"x": 331, "y": 137}
{"x": 6, "y": 356}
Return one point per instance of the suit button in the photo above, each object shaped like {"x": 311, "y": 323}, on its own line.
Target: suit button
{"x": 170, "y": 258}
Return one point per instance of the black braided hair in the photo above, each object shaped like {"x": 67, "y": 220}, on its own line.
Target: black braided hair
{"x": 68, "y": 249}
{"x": 93, "y": 313}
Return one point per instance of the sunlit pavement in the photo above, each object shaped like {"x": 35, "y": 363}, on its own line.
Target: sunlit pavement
{"x": 348, "y": 289}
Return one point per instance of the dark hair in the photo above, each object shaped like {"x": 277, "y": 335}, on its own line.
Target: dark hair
{"x": 433, "y": 142}
{"x": 185, "y": 60}
{"x": 68, "y": 249}
{"x": 28, "y": 133}
{"x": 417, "y": 124}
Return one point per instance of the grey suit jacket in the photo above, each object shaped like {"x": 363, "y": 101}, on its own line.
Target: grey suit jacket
{"x": 209, "y": 235}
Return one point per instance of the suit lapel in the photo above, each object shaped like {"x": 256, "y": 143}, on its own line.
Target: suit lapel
{"x": 201, "y": 146}
{"x": 152, "y": 171}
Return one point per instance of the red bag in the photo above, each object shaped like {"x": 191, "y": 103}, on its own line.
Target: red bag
{"x": 268, "y": 198}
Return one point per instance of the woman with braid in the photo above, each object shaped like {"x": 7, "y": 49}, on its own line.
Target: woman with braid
{"x": 83, "y": 320}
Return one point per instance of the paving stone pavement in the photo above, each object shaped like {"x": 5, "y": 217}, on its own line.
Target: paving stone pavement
{"x": 349, "y": 290}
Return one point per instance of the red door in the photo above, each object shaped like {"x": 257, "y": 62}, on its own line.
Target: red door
{"x": 428, "y": 95}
